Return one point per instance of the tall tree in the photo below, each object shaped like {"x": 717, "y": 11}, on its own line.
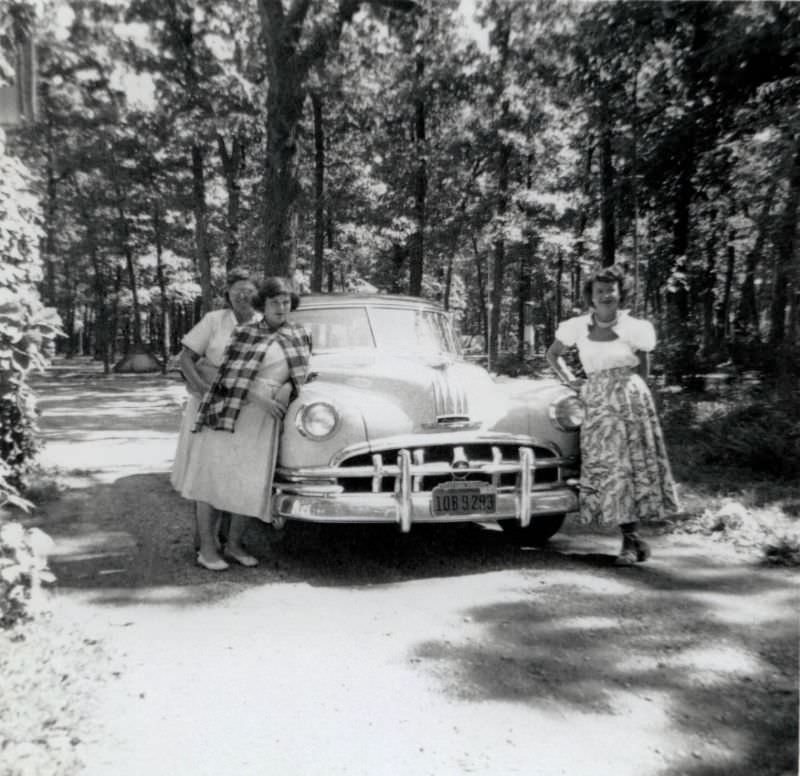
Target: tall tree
{"x": 294, "y": 41}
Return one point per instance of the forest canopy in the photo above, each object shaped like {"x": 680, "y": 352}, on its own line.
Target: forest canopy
{"x": 484, "y": 154}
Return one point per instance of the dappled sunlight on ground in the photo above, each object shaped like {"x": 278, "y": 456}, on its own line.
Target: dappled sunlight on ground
{"x": 449, "y": 650}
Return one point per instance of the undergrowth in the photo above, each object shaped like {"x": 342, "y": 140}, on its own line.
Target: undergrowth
{"x": 737, "y": 459}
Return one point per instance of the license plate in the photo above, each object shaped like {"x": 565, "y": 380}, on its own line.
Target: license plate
{"x": 463, "y": 498}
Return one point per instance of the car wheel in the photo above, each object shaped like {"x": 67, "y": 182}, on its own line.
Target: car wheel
{"x": 537, "y": 533}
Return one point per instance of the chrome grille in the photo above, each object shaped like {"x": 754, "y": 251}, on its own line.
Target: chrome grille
{"x": 434, "y": 464}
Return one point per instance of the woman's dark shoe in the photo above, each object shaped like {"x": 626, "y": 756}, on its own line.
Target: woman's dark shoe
{"x": 642, "y": 549}
{"x": 627, "y": 555}
{"x": 634, "y": 550}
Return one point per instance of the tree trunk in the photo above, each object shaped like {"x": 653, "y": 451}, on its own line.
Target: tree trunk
{"x": 135, "y": 309}
{"x": 102, "y": 323}
{"x": 201, "y": 225}
{"x": 583, "y": 218}
{"x": 499, "y": 268}
{"x": 559, "y": 276}
{"x": 707, "y": 295}
{"x": 318, "y": 265}
{"x": 482, "y": 295}
{"x": 786, "y": 241}
{"x": 329, "y": 237}
{"x": 417, "y": 248}
{"x": 162, "y": 287}
{"x": 69, "y": 310}
{"x": 448, "y": 281}
{"x": 635, "y": 187}
{"x": 232, "y": 165}
{"x": 399, "y": 257}
{"x": 678, "y": 303}
{"x": 115, "y": 322}
{"x": 607, "y": 208}
{"x": 524, "y": 295}
{"x": 125, "y": 246}
{"x": 723, "y": 312}
{"x": 280, "y": 187}
{"x": 289, "y": 57}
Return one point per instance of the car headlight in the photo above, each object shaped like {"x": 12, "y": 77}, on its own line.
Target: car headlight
{"x": 318, "y": 420}
{"x": 567, "y": 413}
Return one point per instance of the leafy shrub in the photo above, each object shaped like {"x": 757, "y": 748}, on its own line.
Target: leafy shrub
{"x": 763, "y": 437}
{"x": 26, "y": 326}
{"x": 23, "y": 570}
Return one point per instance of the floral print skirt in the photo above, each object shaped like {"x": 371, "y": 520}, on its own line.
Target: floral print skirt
{"x": 625, "y": 472}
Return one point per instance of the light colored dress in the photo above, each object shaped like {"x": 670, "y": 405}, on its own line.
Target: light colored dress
{"x": 233, "y": 471}
{"x": 625, "y": 471}
{"x": 208, "y": 338}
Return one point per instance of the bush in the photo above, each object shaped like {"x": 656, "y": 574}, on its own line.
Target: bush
{"x": 762, "y": 437}
{"x": 27, "y": 328}
{"x": 23, "y": 570}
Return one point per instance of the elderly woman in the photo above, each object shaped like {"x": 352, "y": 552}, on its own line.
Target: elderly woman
{"x": 203, "y": 348}
{"x": 625, "y": 472}
{"x": 232, "y": 456}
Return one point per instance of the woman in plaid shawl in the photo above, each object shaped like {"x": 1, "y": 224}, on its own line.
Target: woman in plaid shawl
{"x": 232, "y": 460}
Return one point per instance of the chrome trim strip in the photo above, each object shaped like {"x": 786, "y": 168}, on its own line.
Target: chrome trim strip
{"x": 527, "y": 462}
{"x": 452, "y": 425}
{"x": 404, "y": 491}
{"x": 419, "y": 461}
{"x": 457, "y": 437}
{"x": 497, "y": 460}
{"x": 423, "y": 470}
{"x": 377, "y": 477}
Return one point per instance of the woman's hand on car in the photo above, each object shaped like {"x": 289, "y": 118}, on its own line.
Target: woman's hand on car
{"x": 273, "y": 407}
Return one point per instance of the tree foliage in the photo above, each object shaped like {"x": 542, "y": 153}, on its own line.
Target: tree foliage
{"x": 487, "y": 162}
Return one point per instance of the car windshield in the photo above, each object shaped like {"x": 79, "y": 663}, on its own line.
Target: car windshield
{"x": 394, "y": 329}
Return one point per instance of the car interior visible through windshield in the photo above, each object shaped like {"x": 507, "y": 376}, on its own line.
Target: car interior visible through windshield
{"x": 393, "y": 329}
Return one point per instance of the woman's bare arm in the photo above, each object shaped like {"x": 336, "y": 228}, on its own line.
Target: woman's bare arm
{"x": 555, "y": 357}
{"x": 196, "y": 382}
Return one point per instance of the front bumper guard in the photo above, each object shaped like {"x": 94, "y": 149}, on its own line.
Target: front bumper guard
{"x": 306, "y": 495}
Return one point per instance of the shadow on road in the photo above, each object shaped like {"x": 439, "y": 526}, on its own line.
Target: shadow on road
{"x": 699, "y": 641}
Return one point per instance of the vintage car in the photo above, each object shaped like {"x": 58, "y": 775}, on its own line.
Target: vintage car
{"x": 394, "y": 426}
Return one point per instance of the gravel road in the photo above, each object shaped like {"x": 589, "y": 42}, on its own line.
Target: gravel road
{"x": 362, "y": 652}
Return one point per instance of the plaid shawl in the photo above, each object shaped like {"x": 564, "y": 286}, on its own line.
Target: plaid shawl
{"x": 244, "y": 353}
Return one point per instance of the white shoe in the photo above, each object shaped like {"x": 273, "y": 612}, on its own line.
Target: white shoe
{"x": 211, "y": 565}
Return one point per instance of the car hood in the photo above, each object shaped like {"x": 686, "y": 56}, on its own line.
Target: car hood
{"x": 379, "y": 396}
{"x": 427, "y": 393}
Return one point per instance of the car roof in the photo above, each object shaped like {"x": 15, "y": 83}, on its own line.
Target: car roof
{"x": 308, "y": 301}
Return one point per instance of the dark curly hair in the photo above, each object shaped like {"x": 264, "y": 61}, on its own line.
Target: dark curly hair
{"x": 271, "y": 287}
{"x": 612, "y": 274}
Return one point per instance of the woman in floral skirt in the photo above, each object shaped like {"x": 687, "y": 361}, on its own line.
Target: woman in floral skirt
{"x": 625, "y": 472}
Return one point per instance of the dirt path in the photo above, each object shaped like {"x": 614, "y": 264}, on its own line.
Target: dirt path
{"x": 357, "y": 651}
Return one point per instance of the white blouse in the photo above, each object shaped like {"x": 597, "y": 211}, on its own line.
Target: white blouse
{"x": 210, "y": 335}
{"x": 633, "y": 334}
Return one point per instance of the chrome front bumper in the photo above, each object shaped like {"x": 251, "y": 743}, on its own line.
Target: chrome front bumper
{"x": 414, "y": 508}
{"x": 317, "y": 501}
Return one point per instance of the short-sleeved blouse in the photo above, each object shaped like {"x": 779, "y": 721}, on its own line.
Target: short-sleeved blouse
{"x": 633, "y": 334}
{"x": 211, "y": 334}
